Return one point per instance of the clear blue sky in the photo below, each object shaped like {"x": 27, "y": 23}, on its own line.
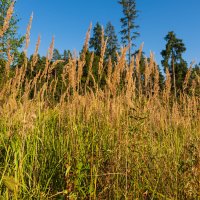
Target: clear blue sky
{"x": 69, "y": 20}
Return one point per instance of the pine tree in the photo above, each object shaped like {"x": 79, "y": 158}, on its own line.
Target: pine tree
{"x": 112, "y": 42}
{"x": 95, "y": 41}
{"x": 129, "y": 26}
{"x": 172, "y": 59}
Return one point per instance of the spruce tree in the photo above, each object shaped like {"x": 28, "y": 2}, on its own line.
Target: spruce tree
{"x": 95, "y": 41}
{"x": 112, "y": 42}
{"x": 129, "y": 26}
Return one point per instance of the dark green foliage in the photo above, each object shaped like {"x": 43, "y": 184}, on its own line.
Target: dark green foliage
{"x": 112, "y": 42}
{"x": 129, "y": 26}
{"x": 66, "y": 55}
{"x": 172, "y": 59}
{"x": 95, "y": 41}
{"x": 56, "y": 55}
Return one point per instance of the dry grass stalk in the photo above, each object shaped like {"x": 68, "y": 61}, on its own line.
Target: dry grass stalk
{"x": 52, "y": 67}
{"x": 85, "y": 47}
{"x": 146, "y": 75}
{"x": 55, "y": 86}
{"x": 50, "y": 50}
{"x": 185, "y": 84}
{"x": 9, "y": 61}
{"x": 167, "y": 90}
{"x": 156, "y": 81}
{"x": 72, "y": 74}
{"x": 80, "y": 72}
{"x": 109, "y": 72}
{"x": 7, "y": 19}
{"x": 137, "y": 67}
{"x": 48, "y": 59}
{"x": 28, "y": 31}
{"x": 90, "y": 69}
{"x": 64, "y": 74}
{"x": 193, "y": 88}
{"x": 35, "y": 55}
{"x": 103, "y": 49}
{"x": 130, "y": 84}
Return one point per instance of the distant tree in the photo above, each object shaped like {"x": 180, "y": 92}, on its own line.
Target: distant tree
{"x": 56, "y": 55}
{"x": 95, "y": 40}
{"x": 10, "y": 38}
{"x": 112, "y": 42}
{"x": 66, "y": 55}
{"x": 129, "y": 26}
{"x": 172, "y": 59}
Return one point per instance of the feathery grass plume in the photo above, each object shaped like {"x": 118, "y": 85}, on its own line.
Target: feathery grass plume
{"x": 119, "y": 69}
{"x": 103, "y": 49}
{"x": 167, "y": 89}
{"x": 121, "y": 61}
{"x": 50, "y": 50}
{"x": 193, "y": 88}
{"x": 109, "y": 71}
{"x": 7, "y": 19}
{"x": 137, "y": 67}
{"x": 50, "y": 89}
{"x": 185, "y": 84}
{"x": 151, "y": 73}
{"x": 55, "y": 86}
{"x": 85, "y": 47}
{"x": 80, "y": 73}
{"x": 35, "y": 55}
{"x": 27, "y": 91}
{"x": 48, "y": 59}
{"x": 198, "y": 77}
{"x": 130, "y": 90}
{"x": 64, "y": 74}
{"x": 34, "y": 83}
{"x": 52, "y": 67}
{"x": 9, "y": 61}
{"x": 28, "y": 32}
{"x": 140, "y": 51}
{"x": 89, "y": 70}
{"x": 156, "y": 81}
{"x": 81, "y": 61}
{"x": 146, "y": 75}
{"x": 72, "y": 74}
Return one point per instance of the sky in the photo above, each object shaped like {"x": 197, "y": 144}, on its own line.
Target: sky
{"x": 68, "y": 21}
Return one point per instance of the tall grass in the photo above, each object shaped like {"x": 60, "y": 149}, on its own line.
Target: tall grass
{"x": 125, "y": 140}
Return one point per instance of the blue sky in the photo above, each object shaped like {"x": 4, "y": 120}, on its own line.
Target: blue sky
{"x": 69, "y": 20}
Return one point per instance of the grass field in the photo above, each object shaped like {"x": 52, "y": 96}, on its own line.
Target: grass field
{"x": 126, "y": 140}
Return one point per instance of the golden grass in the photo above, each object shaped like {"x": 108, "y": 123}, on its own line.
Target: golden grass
{"x": 125, "y": 140}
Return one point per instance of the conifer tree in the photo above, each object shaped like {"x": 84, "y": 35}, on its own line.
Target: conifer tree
{"x": 112, "y": 41}
{"x": 129, "y": 26}
{"x": 172, "y": 59}
{"x": 95, "y": 41}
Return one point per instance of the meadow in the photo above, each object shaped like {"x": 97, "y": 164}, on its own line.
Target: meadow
{"x": 125, "y": 139}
